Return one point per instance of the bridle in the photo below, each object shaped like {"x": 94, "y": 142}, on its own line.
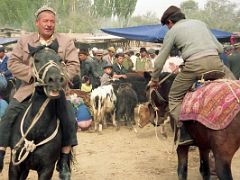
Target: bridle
{"x": 39, "y": 80}
{"x": 159, "y": 96}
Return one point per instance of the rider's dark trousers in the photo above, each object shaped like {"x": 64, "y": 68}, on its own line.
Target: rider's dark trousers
{"x": 65, "y": 113}
{"x": 8, "y": 119}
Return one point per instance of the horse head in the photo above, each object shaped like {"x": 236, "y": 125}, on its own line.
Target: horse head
{"x": 48, "y": 69}
{"x": 155, "y": 110}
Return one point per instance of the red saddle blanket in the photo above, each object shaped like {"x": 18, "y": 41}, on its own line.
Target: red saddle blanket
{"x": 213, "y": 105}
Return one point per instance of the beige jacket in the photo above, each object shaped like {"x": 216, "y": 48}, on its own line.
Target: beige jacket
{"x": 18, "y": 62}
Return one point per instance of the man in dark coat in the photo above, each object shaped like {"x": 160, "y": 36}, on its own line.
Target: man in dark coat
{"x": 234, "y": 61}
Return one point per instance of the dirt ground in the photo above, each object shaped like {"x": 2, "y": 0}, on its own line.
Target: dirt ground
{"x": 127, "y": 155}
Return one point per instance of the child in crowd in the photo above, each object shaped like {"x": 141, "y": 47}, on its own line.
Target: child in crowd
{"x": 86, "y": 84}
{"x": 84, "y": 118}
{"x": 82, "y": 112}
{"x": 107, "y": 76}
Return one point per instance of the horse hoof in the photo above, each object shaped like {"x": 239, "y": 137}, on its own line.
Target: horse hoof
{"x": 99, "y": 133}
{"x": 164, "y": 135}
{"x": 118, "y": 128}
{"x": 2, "y": 153}
{"x": 130, "y": 128}
{"x": 65, "y": 176}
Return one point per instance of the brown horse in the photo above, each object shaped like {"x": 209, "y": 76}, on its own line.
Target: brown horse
{"x": 223, "y": 143}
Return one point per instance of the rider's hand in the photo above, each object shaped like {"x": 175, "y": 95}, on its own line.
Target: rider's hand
{"x": 124, "y": 76}
{"x": 153, "y": 84}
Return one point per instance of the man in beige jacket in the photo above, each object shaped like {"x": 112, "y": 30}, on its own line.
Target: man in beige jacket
{"x": 19, "y": 65}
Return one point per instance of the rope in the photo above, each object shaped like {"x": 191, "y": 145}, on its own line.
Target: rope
{"x": 228, "y": 83}
{"x": 29, "y": 146}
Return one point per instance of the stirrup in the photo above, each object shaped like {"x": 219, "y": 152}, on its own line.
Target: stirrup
{"x": 186, "y": 143}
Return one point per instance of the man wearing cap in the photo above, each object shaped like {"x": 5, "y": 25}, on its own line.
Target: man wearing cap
{"x": 3, "y": 64}
{"x": 143, "y": 63}
{"x": 86, "y": 64}
{"x": 98, "y": 64}
{"x": 119, "y": 71}
{"x": 152, "y": 56}
{"x": 6, "y": 77}
{"x": 199, "y": 49}
{"x": 110, "y": 56}
{"x": 19, "y": 65}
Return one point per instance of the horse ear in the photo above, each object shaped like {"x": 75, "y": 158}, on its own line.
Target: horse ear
{"x": 32, "y": 50}
{"x": 54, "y": 45}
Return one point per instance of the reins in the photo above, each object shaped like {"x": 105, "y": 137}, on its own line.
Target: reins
{"x": 29, "y": 146}
{"x": 155, "y": 108}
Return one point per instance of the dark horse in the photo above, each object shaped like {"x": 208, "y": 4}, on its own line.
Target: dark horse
{"x": 36, "y": 141}
{"x": 223, "y": 143}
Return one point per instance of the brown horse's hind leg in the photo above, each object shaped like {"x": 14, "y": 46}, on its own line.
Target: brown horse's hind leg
{"x": 223, "y": 167}
{"x": 182, "y": 152}
{"x": 204, "y": 164}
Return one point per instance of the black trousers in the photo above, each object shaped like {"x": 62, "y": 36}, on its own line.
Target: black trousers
{"x": 65, "y": 113}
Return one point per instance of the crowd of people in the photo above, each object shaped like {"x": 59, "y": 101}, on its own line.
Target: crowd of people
{"x": 101, "y": 66}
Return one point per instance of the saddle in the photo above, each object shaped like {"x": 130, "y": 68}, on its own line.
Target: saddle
{"x": 212, "y": 75}
{"x": 214, "y": 105}
{"x": 206, "y": 77}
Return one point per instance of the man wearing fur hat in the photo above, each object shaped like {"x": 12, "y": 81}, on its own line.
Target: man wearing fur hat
{"x": 19, "y": 65}
{"x": 199, "y": 49}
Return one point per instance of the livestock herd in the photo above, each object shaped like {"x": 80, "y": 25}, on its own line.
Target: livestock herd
{"x": 116, "y": 102}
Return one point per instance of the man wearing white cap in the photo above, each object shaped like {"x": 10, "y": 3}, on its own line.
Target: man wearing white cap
{"x": 20, "y": 68}
{"x": 110, "y": 56}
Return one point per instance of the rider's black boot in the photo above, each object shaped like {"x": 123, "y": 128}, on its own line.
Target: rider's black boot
{"x": 2, "y": 154}
{"x": 63, "y": 166}
{"x": 185, "y": 138}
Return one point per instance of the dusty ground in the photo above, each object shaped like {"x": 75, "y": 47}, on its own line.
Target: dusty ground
{"x": 126, "y": 155}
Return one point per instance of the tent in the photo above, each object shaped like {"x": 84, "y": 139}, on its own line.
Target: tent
{"x": 155, "y": 33}
{"x": 6, "y": 41}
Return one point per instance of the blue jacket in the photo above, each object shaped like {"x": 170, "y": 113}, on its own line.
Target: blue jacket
{"x": 4, "y": 68}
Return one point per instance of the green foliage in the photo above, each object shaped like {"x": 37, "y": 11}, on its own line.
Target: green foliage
{"x": 91, "y": 15}
{"x": 123, "y": 9}
{"x": 221, "y": 14}
{"x": 103, "y": 8}
{"x": 146, "y": 19}
{"x": 189, "y": 5}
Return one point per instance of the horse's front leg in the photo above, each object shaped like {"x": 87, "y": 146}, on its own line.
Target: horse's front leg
{"x": 17, "y": 172}
{"x": 204, "y": 164}
{"x": 114, "y": 118}
{"x": 47, "y": 172}
{"x": 182, "y": 152}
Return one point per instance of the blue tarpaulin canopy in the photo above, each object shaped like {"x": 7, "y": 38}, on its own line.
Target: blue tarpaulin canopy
{"x": 155, "y": 33}
{"x": 5, "y": 41}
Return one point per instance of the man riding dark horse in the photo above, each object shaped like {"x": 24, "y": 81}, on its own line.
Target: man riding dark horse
{"x": 200, "y": 52}
{"x": 19, "y": 65}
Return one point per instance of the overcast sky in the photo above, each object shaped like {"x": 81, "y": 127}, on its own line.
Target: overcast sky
{"x": 159, "y": 6}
